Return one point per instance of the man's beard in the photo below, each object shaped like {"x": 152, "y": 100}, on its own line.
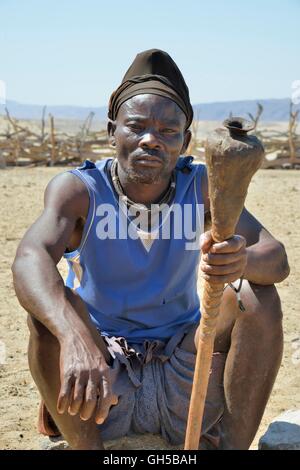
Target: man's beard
{"x": 146, "y": 175}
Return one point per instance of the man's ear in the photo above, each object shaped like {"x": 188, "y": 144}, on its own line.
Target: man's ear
{"x": 187, "y": 140}
{"x": 111, "y": 127}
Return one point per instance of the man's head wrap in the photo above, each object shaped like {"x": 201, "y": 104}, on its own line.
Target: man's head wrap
{"x": 154, "y": 72}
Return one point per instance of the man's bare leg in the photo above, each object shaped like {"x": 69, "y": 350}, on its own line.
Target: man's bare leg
{"x": 43, "y": 355}
{"x": 254, "y": 342}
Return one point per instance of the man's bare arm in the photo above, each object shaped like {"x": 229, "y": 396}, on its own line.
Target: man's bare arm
{"x": 266, "y": 257}
{"x": 38, "y": 283}
{"x": 84, "y": 373}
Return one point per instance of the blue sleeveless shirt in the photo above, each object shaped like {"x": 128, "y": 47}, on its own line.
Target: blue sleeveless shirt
{"x": 129, "y": 290}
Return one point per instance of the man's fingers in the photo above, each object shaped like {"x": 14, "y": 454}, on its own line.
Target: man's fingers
{"x": 221, "y": 270}
{"x": 220, "y": 259}
{"x": 65, "y": 395}
{"x": 232, "y": 245}
{"x": 78, "y": 396}
{"x": 104, "y": 406}
{"x": 105, "y": 401}
{"x": 222, "y": 279}
{"x": 90, "y": 401}
{"x": 206, "y": 241}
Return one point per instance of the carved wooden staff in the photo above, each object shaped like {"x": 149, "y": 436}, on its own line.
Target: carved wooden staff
{"x": 232, "y": 158}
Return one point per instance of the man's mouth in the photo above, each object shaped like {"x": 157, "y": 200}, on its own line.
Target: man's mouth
{"x": 148, "y": 160}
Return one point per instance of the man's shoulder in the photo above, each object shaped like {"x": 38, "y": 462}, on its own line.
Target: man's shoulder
{"x": 203, "y": 184}
{"x": 67, "y": 183}
{"x": 67, "y": 192}
{"x": 98, "y": 165}
{"x": 188, "y": 163}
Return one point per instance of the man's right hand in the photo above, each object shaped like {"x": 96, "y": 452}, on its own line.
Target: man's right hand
{"x": 85, "y": 380}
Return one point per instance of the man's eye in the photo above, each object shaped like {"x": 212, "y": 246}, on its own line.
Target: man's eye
{"x": 168, "y": 131}
{"x": 135, "y": 127}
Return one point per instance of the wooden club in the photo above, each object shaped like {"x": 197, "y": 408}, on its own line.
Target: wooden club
{"x": 232, "y": 158}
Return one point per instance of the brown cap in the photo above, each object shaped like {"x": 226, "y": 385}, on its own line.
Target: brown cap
{"x": 154, "y": 72}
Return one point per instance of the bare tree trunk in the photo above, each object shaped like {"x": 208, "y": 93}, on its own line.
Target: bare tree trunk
{"x": 43, "y": 125}
{"x": 53, "y": 156}
{"x": 255, "y": 119}
{"x": 292, "y": 128}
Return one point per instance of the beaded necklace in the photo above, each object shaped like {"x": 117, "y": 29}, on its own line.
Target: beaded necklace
{"x": 166, "y": 199}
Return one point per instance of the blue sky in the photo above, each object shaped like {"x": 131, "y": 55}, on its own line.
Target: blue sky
{"x": 76, "y": 52}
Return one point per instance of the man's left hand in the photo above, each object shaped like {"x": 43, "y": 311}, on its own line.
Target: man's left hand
{"x": 223, "y": 262}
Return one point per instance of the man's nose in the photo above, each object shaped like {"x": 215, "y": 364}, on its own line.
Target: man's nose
{"x": 150, "y": 140}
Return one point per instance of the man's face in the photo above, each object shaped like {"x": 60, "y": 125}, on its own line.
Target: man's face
{"x": 149, "y": 136}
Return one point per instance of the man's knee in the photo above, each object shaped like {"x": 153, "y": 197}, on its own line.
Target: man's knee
{"x": 262, "y": 305}
{"x": 39, "y": 331}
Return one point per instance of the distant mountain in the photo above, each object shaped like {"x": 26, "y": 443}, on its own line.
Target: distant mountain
{"x": 34, "y": 111}
{"x": 274, "y": 110}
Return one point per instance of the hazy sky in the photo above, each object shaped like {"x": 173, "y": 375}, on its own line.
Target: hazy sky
{"x": 76, "y": 52}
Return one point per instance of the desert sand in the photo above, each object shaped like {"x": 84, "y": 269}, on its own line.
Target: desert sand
{"x": 273, "y": 198}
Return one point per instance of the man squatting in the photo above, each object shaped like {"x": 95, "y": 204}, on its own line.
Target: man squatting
{"x": 112, "y": 350}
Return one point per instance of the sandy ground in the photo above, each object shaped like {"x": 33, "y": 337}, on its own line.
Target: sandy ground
{"x": 273, "y": 198}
